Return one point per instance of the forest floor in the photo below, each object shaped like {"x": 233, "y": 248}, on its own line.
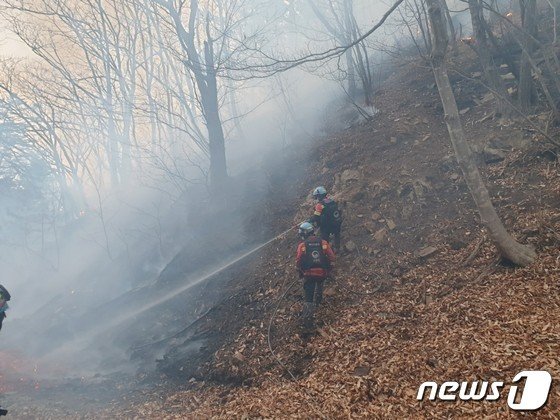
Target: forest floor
{"x": 419, "y": 293}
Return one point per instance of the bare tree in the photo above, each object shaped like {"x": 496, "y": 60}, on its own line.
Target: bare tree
{"x": 529, "y": 20}
{"x": 509, "y": 248}
{"x": 114, "y": 66}
{"x": 200, "y": 60}
{"x": 338, "y": 19}
{"x": 450, "y": 25}
{"x": 47, "y": 130}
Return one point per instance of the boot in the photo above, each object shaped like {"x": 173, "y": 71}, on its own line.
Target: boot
{"x": 307, "y": 315}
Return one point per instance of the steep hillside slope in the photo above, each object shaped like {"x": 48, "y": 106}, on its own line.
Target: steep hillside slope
{"x": 419, "y": 293}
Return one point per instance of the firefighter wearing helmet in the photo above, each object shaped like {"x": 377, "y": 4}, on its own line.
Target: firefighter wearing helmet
{"x": 327, "y": 217}
{"x": 314, "y": 259}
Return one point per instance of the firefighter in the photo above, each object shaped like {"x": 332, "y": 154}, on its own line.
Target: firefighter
{"x": 327, "y": 217}
{"x": 314, "y": 260}
{"x": 4, "y": 298}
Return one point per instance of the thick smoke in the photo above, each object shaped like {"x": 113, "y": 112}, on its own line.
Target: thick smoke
{"x": 125, "y": 269}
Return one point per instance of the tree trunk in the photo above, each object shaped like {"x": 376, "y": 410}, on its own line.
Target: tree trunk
{"x": 483, "y": 50}
{"x": 126, "y": 143}
{"x": 218, "y": 167}
{"x": 529, "y": 20}
{"x": 510, "y": 249}
{"x": 342, "y": 33}
{"x": 216, "y": 140}
{"x": 204, "y": 73}
{"x": 351, "y": 75}
{"x": 451, "y": 26}
{"x": 423, "y": 16}
{"x": 112, "y": 141}
{"x": 555, "y": 6}
{"x": 362, "y": 63}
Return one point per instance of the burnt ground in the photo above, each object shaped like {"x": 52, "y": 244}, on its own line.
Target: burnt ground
{"x": 171, "y": 335}
{"x": 419, "y": 293}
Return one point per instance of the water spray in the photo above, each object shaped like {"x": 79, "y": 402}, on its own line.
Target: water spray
{"x": 83, "y": 339}
{"x": 188, "y": 286}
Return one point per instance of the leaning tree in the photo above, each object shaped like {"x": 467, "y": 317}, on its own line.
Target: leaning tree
{"x": 509, "y": 248}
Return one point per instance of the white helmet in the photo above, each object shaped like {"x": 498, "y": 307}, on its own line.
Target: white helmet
{"x": 319, "y": 192}
{"x": 306, "y": 229}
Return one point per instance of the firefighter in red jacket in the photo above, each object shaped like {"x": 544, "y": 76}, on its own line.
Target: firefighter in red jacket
{"x": 314, "y": 260}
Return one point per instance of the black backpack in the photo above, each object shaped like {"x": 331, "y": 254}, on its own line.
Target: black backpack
{"x": 4, "y": 294}
{"x": 331, "y": 216}
{"x": 314, "y": 256}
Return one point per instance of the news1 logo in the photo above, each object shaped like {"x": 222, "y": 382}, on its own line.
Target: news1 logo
{"x": 532, "y": 396}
